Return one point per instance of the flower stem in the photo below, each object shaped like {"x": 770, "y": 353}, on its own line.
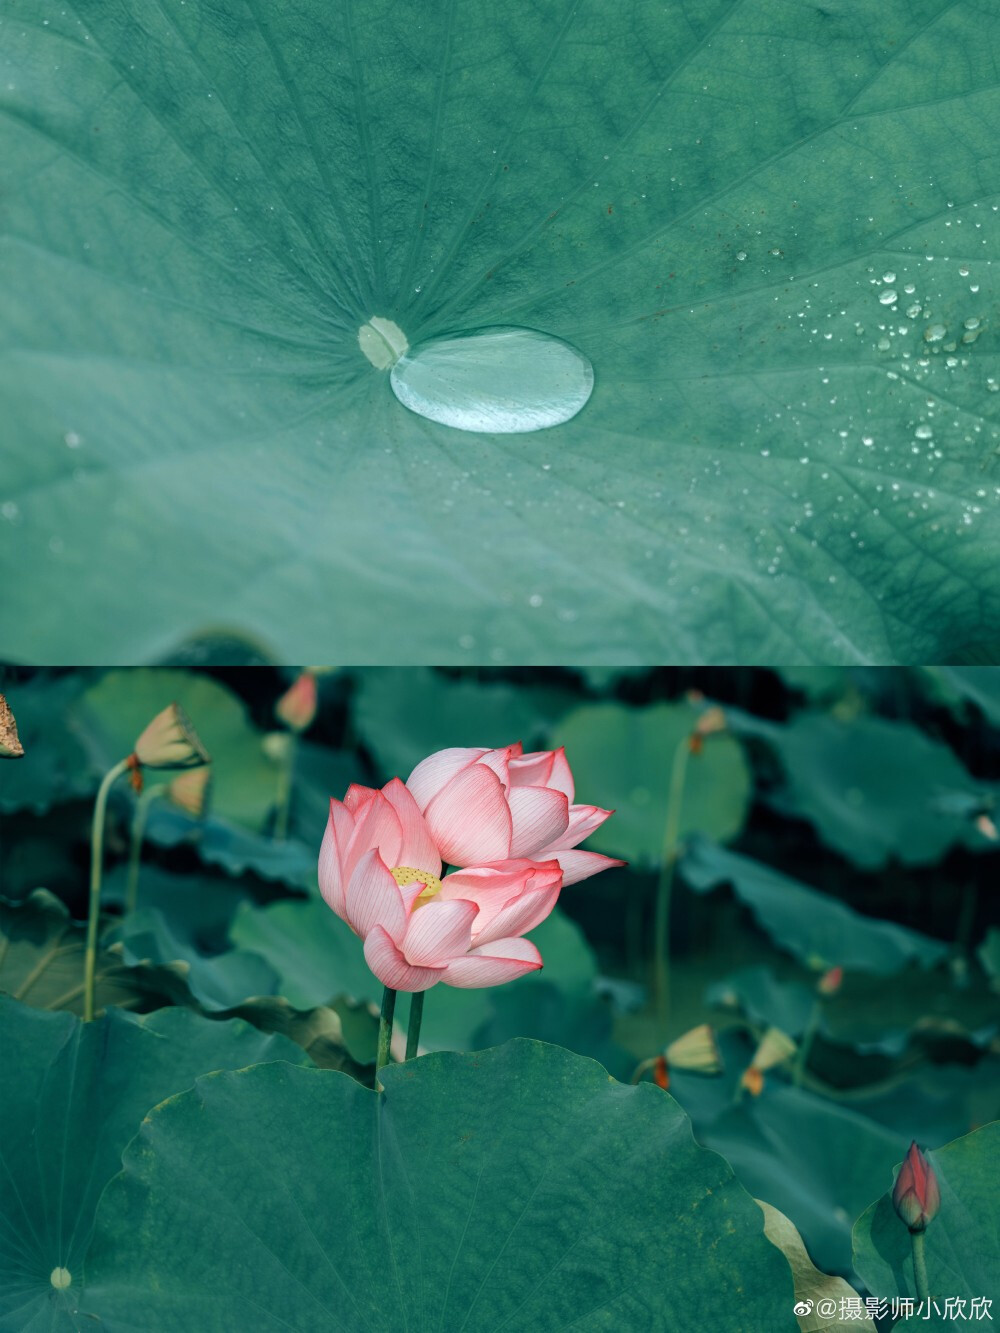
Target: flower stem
{"x": 805, "y": 1043}
{"x": 284, "y": 797}
{"x": 668, "y": 863}
{"x": 139, "y": 818}
{"x": 385, "y": 1031}
{"x": 96, "y": 862}
{"x": 413, "y": 1029}
{"x": 920, "y": 1266}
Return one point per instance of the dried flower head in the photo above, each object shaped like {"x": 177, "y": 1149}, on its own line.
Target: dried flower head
{"x": 10, "y": 745}
{"x": 190, "y": 789}
{"x": 170, "y": 741}
{"x": 695, "y": 1050}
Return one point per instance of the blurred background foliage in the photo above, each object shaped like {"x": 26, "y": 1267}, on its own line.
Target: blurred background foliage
{"x": 827, "y": 819}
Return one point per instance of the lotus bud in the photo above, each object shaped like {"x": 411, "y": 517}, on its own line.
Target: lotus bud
{"x": 915, "y": 1195}
{"x": 189, "y": 790}
{"x": 276, "y": 746}
{"x": 297, "y": 706}
{"x": 170, "y": 741}
{"x": 10, "y": 746}
{"x": 695, "y": 1050}
{"x": 830, "y": 982}
{"x": 986, "y": 827}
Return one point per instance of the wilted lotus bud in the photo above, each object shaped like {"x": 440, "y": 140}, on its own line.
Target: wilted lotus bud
{"x": 297, "y": 706}
{"x": 170, "y": 741}
{"x": 695, "y": 1050}
{"x": 915, "y": 1195}
{"x": 189, "y": 790}
{"x": 10, "y": 746}
{"x": 830, "y": 982}
{"x": 775, "y": 1047}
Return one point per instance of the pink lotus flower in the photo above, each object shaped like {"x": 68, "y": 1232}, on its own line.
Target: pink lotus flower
{"x": 379, "y": 870}
{"x": 489, "y": 805}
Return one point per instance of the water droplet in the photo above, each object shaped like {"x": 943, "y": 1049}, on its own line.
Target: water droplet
{"x": 912, "y": 311}
{"x": 888, "y": 277}
{"x": 934, "y": 333}
{"x": 924, "y": 432}
{"x": 887, "y": 297}
{"x": 382, "y": 341}
{"x": 972, "y": 323}
{"x": 741, "y": 255}
{"x": 72, "y": 440}
{"x": 61, "y": 1278}
{"x": 502, "y": 380}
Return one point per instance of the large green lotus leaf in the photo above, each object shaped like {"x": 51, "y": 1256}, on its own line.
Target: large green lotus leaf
{"x": 519, "y": 1188}
{"x": 112, "y": 714}
{"x": 961, "y": 1245}
{"x": 403, "y": 715}
{"x": 875, "y": 789}
{"x": 54, "y": 767}
{"x": 819, "y": 930}
{"x": 622, "y": 757}
{"x": 770, "y": 230}
{"x": 72, "y": 1096}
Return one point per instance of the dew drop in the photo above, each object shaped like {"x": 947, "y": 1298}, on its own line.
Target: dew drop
{"x": 382, "y": 341}
{"x": 887, "y": 297}
{"x": 924, "y": 432}
{"x": 503, "y": 380}
{"x": 61, "y": 1278}
{"x": 934, "y": 333}
{"x": 888, "y": 277}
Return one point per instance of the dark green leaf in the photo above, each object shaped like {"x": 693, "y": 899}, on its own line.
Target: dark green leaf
{"x": 517, "y": 1187}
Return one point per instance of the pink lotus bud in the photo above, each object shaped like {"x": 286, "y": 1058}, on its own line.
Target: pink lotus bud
{"x": 10, "y": 746}
{"x": 915, "y": 1195}
{"x": 170, "y": 741}
{"x": 830, "y": 982}
{"x": 297, "y": 706}
{"x": 189, "y": 790}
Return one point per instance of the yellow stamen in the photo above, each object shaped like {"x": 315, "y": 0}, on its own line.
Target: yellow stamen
{"x": 407, "y": 875}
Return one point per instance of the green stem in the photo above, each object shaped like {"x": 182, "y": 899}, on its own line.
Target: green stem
{"x": 139, "y": 818}
{"x": 96, "y": 862}
{"x": 385, "y": 1031}
{"x": 668, "y": 862}
{"x": 920, "y": 1266}
{"x": 805, "y": 1043}
{"x": 284, "y": 798}
{"x": 413, "y": 1029}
